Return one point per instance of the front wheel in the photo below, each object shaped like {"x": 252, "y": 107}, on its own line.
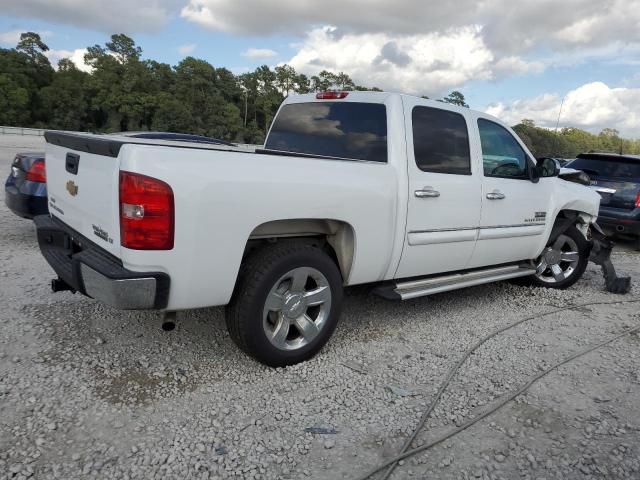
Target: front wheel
{"x": 563, "y": 262}
{"x": 286, "y": 303}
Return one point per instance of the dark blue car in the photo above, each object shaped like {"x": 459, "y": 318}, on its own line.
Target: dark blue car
{"x": 617, "y": 179}
{"x": 26, "y": 189}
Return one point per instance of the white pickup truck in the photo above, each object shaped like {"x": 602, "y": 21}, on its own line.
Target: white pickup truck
{"x": 409, "y": 195}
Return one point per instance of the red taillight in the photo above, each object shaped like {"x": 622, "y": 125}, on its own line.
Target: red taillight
{"x": 146, "y": 213}
{"x": 37, "y": 172}
{"x": 331, "y": 95}
{"x": 638, "y": 200}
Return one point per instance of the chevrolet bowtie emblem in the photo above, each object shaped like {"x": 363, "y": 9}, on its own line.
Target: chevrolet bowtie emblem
{"x": 72, "y": 188}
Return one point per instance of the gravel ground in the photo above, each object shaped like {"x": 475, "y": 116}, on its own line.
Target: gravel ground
{"x": 88, "y": 391}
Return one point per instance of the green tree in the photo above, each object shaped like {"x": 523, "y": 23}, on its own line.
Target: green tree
{"x": 456, "y": 98}
{"x": 33, "y": 47}
{"x": 268, "y": 97}
{"x": 14, "y": 102}
{"x": 123, "y": 48}
{"x": 170, "y": 114}
{"x": 24, "y": 70}
{"x": 122, "y": 87}
{"x": 303, "y": 84}
{"x": 344, "y": 82}
{"x": 285, "y": 79}
{"x": 326, "y": 80}
{"x": 125, "y": 92}
{"x": 66, "y": 100}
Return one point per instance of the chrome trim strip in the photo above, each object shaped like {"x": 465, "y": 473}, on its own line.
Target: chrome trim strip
{"x": 604, "y": 189}
{"x": 289, "y": 153}
{"x": 515, "y": 225}
{"x": 528, "y": 230}
{"x": 436, "y": 230}
{"x": 451, "y": 236}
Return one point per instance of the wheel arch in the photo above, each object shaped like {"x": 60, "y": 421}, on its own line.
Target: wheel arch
{"x": 338, "y": 237}
{"x": 569, "y": 216}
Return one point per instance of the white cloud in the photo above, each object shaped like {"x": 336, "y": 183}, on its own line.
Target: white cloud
{"x": 422, "y": 64}
{"x": 592, "y": 106}
{"x": 76, "y": 56}
{"x": 508, "y": 26}
{"x": 115, "y": 16}
{"x": 12, "y": 37}
{"x": 187, "y": 49}
{"x": 428, "y": 47}
{"x": 259, "y": 53}
{"x": 513, "y": 65}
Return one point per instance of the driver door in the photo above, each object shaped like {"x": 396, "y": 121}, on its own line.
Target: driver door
{"x": 514, "y": 209}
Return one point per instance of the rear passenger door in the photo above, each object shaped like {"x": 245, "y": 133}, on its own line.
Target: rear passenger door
{"x": 444, "y": 190}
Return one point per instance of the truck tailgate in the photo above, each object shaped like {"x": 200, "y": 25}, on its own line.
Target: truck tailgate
{"x": 83, "y": 190}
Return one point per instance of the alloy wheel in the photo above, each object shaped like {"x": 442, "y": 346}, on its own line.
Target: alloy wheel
{"x": 558, "y": 261}
{"x": 297, "y": 308}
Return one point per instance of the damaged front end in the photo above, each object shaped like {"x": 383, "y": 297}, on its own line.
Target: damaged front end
{"x": 601, "y": 247}
{"x": 601, "y": 244}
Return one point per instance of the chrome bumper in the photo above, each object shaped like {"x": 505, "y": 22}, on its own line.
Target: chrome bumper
{"x": 125, "y": 294}
{"x": 84, "y": 267}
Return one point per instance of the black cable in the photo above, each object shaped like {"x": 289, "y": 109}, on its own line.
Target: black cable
{"x": 452, "y": 372}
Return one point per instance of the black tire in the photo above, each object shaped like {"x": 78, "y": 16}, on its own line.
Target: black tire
{"x": 258, "y": 276}
{"x": 637, "y": 244}
{"x": 584, "y": 249}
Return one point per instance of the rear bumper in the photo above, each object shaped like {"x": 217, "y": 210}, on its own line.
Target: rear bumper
{"x": 89, "y": 269}
{"x": 25, "y": 205}
{"x": 620, "y": 221}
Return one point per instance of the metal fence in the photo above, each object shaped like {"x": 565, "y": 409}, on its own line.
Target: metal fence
{"x": 38, "y": 132}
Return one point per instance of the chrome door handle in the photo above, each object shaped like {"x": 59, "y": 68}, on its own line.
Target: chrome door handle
{"x": 495, "y": 195}
{"x": 427, "y": 192}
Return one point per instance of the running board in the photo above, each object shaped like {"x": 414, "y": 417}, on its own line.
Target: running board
{"x": 428, "y": 286}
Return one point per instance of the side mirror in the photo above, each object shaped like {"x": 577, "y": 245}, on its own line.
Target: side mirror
{"x": 548, "y": 167}
{"x": 534, "y": 174}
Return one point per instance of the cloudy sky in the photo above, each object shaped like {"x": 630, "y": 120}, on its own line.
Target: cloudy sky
{"x": 515, "y": 59}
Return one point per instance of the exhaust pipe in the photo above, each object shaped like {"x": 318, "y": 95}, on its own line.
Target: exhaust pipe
{"x": 169, "y": 321}
{"x": 620, "y": 228}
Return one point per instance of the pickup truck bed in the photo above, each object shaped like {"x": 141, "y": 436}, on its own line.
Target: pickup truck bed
{"x": 221, "y": 201}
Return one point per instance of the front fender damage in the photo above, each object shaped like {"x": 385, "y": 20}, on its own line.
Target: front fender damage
{"x": 601, "y": 247}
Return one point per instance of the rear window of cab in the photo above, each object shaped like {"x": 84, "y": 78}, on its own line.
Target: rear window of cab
{"x": 343, "y": 130}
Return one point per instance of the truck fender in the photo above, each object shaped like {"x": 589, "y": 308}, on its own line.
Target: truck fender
{"x": 600, "y": 247}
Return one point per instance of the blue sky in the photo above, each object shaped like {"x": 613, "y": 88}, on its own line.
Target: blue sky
{"x": 515, "y": 61}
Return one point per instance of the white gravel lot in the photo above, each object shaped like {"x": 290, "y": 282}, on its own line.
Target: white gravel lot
{"x": 91, "y": 392}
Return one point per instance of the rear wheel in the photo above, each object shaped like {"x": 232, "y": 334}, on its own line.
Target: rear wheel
{"x": 563, "y": 262}
{"x": 286, "y": 304}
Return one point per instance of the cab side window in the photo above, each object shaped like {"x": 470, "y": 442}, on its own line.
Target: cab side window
{"x": 502, "y": 155}
{"x": 440, "y": 141}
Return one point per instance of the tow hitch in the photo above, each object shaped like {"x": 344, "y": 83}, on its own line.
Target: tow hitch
{"x": 601, "y": 255}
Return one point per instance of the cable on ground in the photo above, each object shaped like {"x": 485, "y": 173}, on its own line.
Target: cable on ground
{"x": 405, "y": 452}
